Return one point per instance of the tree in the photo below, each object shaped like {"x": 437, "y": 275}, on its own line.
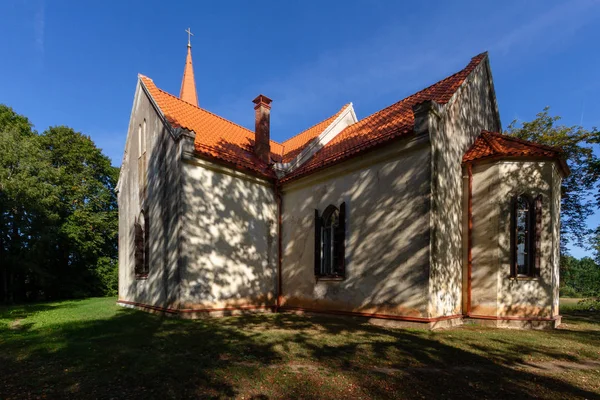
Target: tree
{"x": 579, "y": 188}
{"x": 25, "y": 194}
{"x": 58, "y": 213}
{"x": 87, "y": 212}
{"x": 580, "y": 278}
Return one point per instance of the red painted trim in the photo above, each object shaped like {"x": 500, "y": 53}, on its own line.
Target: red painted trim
{"x": 509, "y": 318}
{"x": 279, "y": 246}
{"x": 372, "y": 315}
{"x": 154, "y": 308}
{"x": 469, "y": 236}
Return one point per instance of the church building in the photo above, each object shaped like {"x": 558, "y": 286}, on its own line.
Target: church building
{"x": 422, "y": 213}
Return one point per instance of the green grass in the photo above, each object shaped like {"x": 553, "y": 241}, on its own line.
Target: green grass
{"x": 94, "y": 349}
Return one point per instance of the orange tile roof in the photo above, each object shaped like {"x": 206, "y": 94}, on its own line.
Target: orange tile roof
{"x": 222, "y": 139}
{"x": 188, "y": 84}
{"x": 394, "y": 121}
{"x": 294, "y": 145}
{"x": 215, "y": 136}
{"x": 495, "y": 145}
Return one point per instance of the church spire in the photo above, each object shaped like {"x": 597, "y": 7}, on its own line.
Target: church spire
{"x": 188, "y": 85}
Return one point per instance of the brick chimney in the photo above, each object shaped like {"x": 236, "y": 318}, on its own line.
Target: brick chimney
{"x": 262, "y": 128}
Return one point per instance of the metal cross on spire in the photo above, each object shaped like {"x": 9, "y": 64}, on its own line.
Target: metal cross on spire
{"x": 190, "y": 34}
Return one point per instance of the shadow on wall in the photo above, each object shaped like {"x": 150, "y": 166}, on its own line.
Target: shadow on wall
{"x": 137, "y": 355}
{"x": 387, "y": 236}
{"x": 228, "y": 253}
{"x": 229, "y": 242}
{"x": 159, "y": 204}
{"x": 494, "y": 292}
{"x": 472, "y": 110}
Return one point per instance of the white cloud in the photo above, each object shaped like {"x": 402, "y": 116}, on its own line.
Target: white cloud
{"x": 549, "y": 28}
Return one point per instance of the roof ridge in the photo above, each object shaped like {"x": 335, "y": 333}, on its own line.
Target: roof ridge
{"x": 527, "y": 142}
{"x": 200, "y": 108}
{"x": 205, "y": 110}
{"x": 432, "y": 85}
{"x": 497, "y": 147}
{"x": 312, "y": 126}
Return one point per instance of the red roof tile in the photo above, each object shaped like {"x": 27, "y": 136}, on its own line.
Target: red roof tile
{"x": 215, "y": 136}
{"x": 394, "y": 121}
{"x": 222, "y": 139}
{"x": 495, "y": 145}
{"x": 293, "y": 146}
{"x": 188, "y": 84}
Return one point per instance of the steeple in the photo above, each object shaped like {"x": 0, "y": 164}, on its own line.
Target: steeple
{"x": 188, "y": 85}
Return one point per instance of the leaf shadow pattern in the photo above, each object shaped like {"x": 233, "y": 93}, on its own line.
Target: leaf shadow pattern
{"x": 138, "y": 355}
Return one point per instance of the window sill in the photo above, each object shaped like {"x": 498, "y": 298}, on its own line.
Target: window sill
{"x": 524, "y": 278}
{"x": 330, "y": 278}
{"x": 141, "y": 277}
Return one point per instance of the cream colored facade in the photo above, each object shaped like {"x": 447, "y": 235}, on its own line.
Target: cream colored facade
{"x": 215, "y": 231}
{"x": 494, "y": 291}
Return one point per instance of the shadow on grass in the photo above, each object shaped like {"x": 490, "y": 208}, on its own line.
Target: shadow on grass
{"x": 139, "y": 355}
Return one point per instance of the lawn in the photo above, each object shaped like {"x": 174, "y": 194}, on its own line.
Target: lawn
{"x": 94, "y": 349}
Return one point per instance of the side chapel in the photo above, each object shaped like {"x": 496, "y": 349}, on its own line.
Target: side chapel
{"x": 422, "y": 213}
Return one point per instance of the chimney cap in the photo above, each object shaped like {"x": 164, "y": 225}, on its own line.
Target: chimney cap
{"x": 262, "y": 100}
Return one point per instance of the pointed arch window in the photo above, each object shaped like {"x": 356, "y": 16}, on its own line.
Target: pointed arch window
{"x": 330, "y": 235}
{"x": 142, "y": 161}
{"x": 526, "y": 236}
{"x": 142, "y": 259}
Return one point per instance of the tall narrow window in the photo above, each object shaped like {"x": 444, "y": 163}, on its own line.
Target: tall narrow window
{"x": 144, "y": 136}
{"x": 142, "y": 162}
{"x": 330, "y": 232}
{"x": 141, "y": 246}
{"x": 526, "y": 236}
{"x": 140, "y": 141}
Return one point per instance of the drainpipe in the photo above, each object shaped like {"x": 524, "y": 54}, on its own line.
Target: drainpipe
{"x": 469, "y": 236}
{"x": 279, "y": 246}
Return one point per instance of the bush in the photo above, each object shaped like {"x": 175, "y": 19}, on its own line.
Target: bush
{"x": 591, "y": 304}
{"x": 568, "y": 291}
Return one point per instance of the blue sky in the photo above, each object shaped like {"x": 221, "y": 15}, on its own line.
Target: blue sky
{"x": 76, "y": 63}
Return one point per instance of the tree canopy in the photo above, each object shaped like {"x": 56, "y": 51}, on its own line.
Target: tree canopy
{"x": 58, "y": 213}
{"x": 581, "y": 189}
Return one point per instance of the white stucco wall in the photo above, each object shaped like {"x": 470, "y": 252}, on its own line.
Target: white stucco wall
{"x": 472, "y": 109}
{"x": 228, "y": 238}
{"x": 387, "y": 233}
{"x": 494, "y": 292}
{"x": 160, "y": 203}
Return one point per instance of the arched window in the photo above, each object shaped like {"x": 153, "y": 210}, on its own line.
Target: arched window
{"x": 140, "y": 140}
{"x": 145, "y": 137}
{"x": 142, "y": 162}
{"x": 141, "y": 246}
{"x": 526, "y": 235}
{"x": 330, "y": 233}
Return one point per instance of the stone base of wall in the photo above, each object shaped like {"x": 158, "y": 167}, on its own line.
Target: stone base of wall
{"x": 197, "y": 313}
{"x": 514, "y": 322}
{"x": 392, "y": 321}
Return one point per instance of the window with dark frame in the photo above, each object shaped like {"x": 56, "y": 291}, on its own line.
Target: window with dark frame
{"x": 526, "y": 236}
{"x": 142, "y": 259}
{"x": 330, "y": 237}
